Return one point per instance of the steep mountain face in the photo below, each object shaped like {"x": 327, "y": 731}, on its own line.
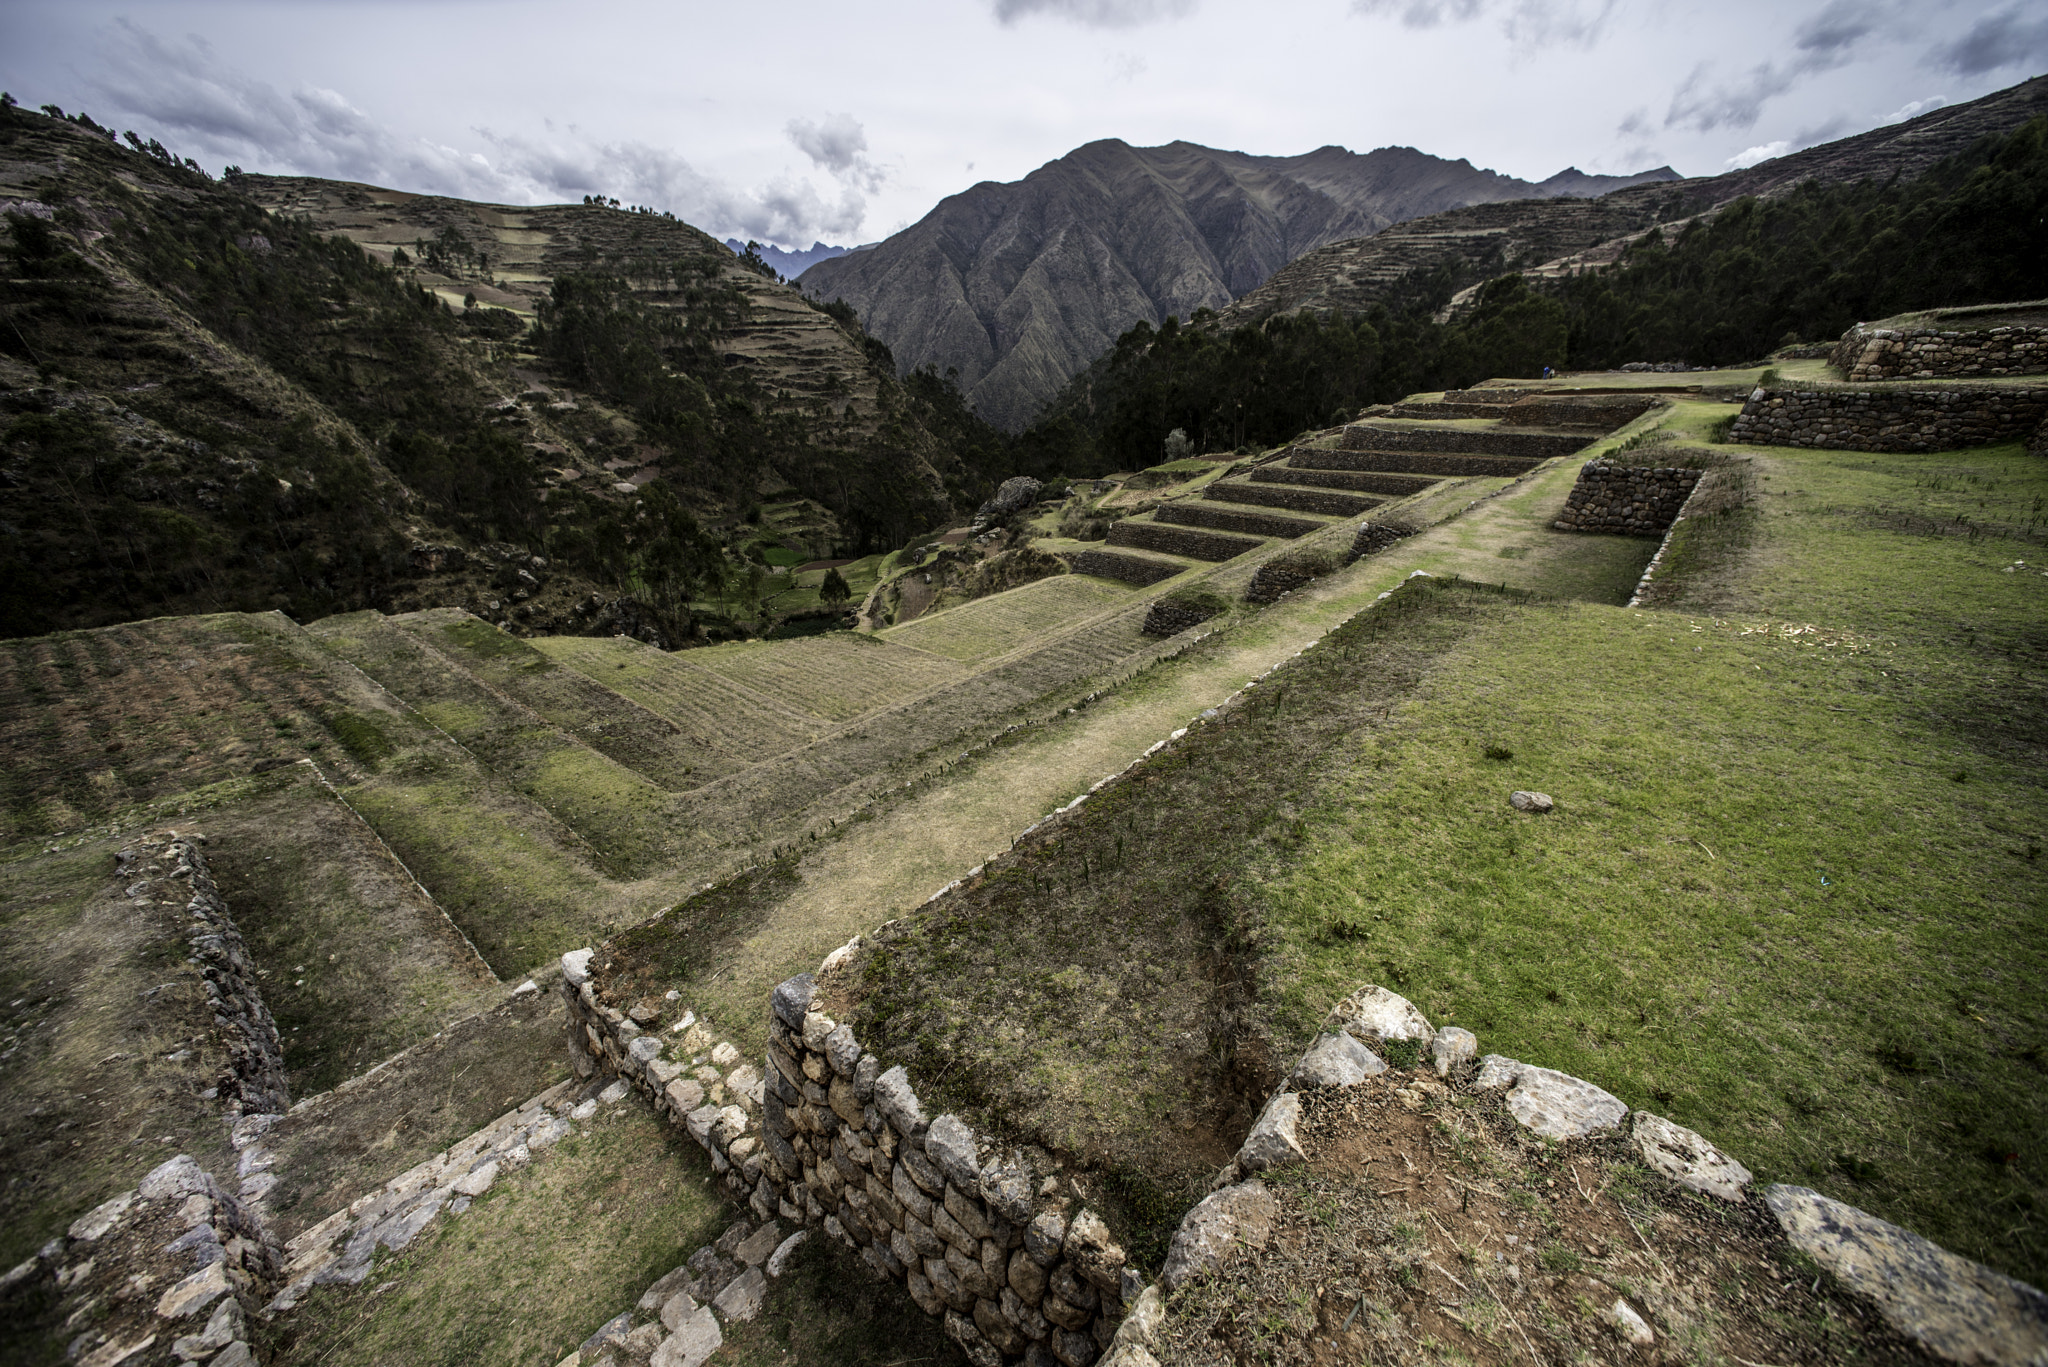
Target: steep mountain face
{"x": 274, "y": 393}
{"x": 1557, "y": 236}
{"x": 1018, "y": 286}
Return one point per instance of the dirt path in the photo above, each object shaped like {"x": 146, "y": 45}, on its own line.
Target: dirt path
{"x": 895, "y": 861}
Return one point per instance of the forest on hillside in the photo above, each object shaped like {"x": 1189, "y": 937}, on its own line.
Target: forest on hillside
{"x": 1726, "y": 288}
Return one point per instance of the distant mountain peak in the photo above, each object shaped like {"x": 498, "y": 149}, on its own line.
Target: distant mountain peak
{"x": 790, "y": 265}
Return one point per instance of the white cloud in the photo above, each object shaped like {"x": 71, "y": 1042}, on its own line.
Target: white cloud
{"x": 1096, "y": 13}
{"x": 839, "y": 144}
{"x": 1762, "y": 152}
{"x": 182, "y": 92}
{"x": 1530, "y": 23}
{"x": 1913, "y": 109}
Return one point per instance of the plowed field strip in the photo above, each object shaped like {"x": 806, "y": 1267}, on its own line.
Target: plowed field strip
{"x": 732, "y": 722}
{"x": 990, "y": 627}
{"x": 833, "y": 677}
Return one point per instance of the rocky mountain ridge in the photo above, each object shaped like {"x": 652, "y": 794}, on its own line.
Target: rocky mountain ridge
{"x": 1018, "y": 286}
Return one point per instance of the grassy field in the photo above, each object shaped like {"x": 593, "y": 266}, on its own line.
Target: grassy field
{"x": 1792, "y": 895}
{"x": 988, "y": 627}
{"x": 836, "y": 677}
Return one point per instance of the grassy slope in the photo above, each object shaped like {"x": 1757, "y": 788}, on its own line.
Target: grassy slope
{"x": 1792, "y": 893}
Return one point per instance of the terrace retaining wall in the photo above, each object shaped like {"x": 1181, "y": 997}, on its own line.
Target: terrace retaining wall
{"x": 1364, "y": 481}
{"x": 1339, "y": 502}
{"x": 1158, "y": 536}
{"x": 1631, "y": 500}
{"x": 1871, "y": 353}
{"x": 1418, "y": 463}
{"x": 1461, "y": 441}
{"x": 1128, "y": 569}
{"x": 1206, "y": 514}
{"x": 1889, "y": 420}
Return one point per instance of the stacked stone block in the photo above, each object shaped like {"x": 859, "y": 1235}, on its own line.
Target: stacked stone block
{"x": 1129, "y": 569}
{"x": 1232, "y": 520}
{"x": 1437, "y": 464}
{"x": 1269, "y": 493}
{"x": 1461, "y": 441}
{"x": 1889, "y": 420}
{"x": 1630, "y": 500}
{"x": 1157, "y": 536}
{"x": 823, "y": 1134}
{"x": 1170, "y": 618}
{"x": 1374, "y": 537}
{"x": 1925, "y": 353}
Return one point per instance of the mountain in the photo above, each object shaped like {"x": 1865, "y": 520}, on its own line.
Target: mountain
{"x": 1020, "y": 285}
{"x": 314, "y": 396}
{"x": 1551, "y": 238}
{"x": 789, "y": 265}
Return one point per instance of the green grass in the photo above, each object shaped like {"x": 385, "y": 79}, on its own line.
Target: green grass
{"x": 992, "y": 626}
{"x": 1792, "y": 895}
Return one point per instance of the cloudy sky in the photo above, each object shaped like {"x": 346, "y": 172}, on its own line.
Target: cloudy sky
{"x": 848, "y": 121}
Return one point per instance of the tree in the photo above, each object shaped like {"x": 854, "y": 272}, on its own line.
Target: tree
{"x": 1177, "y": 445}
{"x": 835, "y": 590}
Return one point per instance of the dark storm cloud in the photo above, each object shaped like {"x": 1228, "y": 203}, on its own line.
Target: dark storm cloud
{"x": 1998, "y": 40}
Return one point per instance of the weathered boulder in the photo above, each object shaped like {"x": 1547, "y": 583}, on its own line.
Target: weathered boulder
{"x": 1271, "y": 1143}
{"x": 1375, "y": 1015}
{"x": 1557, "y": 1106}
{"x": 1957, "y": 1309}
{"x": 1688, "y": 1159}
{"x": 1524, "y": 801}
{"x": 1212, "y": 1231}
{"x": 1337, "y": 1060}
{"x": 1453, "y": 1048}
{"x": 1013, "y": 495}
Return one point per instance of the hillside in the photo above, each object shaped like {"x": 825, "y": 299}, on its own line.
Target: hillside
{"x": 1558, "y": 236}
{"x": 273, "y": 393}
{"x": 1020, "y": 285}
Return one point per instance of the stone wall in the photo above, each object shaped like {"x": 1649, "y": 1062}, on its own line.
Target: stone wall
{"x": 1337, "y": 502}
{"x": 1889, "y": 420}
{"x": 1374, "y": 537}
{"x": 1284, "y": 574}
{"x": 1129, "y": 569}
{"x": 167, "y": 1273}
{"x": 254, "y": 1080}
{"x": 1631, "y": 500}
{"x": 822, "y": 1134}
{"x": 1157, "y": 536}
{"x": 1872, "y": 353}
{"x": 1226, "y": 519}
{"x": 1417, "y": 462}
{"x": 1361, "y": 481}
{"x": 1170, "y": 618}
{"x": 1461, "y": 441}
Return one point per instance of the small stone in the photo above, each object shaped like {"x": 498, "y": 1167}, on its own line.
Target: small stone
{"x": 1237, "y": 1216}
{"x": 778, "y": 1261}
{"x": 90, "y": 1226}
{"x": 1375, "y": 1015}
{"x": 792, "y": 999}
{"x": 1337, "y": 1060}
{"x": 1496, "y": 1072}
{"x": 741, "y": 1299}
{"x": 1558, "y": 1106}
{"x": 677, "y": 1310}
{"x": 755, "y": 1248}
{"x": 478, "y": 1182}
{"x": 950, "y": 1146}
{"x": 898, "y": 1103}
{"x": 576, "y": 966}
{"x": 691, "y": 1345}
{"x": 843, "y": 1050}
{"x": 1044, "y": 1237}
{"x": 1524, "y": 801}
{"x": 615, "y": 1093}
{"x": 1271, "y": 1143}
{"x": 725, "y": 1055}
{"x": 1629, "y": 1324}
{"x": 1453, "y": 1048}
{"x": 1688, "y": 1159}
{"x": 194, "y": 1293}
{"x": 1093, "y": 1253}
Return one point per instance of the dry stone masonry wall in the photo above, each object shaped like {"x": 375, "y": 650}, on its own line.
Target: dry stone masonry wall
{"x": 170, "y": 1272}
{"x": 821, "y": 1134}
{"x": 1629, "y": 499}
{"x": 1335, "y": 499}
{"x": 1128, "y": 569}
{"x": 1871, "y": 353}
{"x": 1155, "y": 536}
{"x": 1889, "y": 420}
{"x": 1462, "y": 441}
{"x": 1225, "y": 519}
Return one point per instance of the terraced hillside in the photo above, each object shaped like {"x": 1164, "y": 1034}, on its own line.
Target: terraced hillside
{"x": 1399, "y": 452}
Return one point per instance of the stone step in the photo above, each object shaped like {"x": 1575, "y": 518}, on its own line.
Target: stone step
{"x": 1440, "y": 464}
{"x": 1337, "y": 503}
{"x": 1156, "y": 536}
{"x": 1232, "y": 520}
{"x": 1531, "y": 445}
{"x": 1357, "y": 481}
{"x": 1442, "y": 411}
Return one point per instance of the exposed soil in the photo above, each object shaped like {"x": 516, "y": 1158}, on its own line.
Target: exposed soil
{"x": 1427, "y": 1226}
